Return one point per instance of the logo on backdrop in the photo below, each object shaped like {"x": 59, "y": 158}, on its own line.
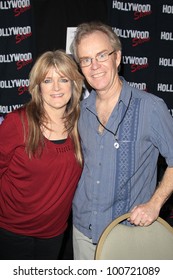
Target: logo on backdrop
{"x": 16, "y": 83}
{"x": 21, "y": 33}
{"x": 8, "y": 109}
{"x": 139, "y": 10}
{"x": 138, "y": 37}
{"x": 141, "y": 86}
{"x": 167, "y": 36}
{"x": 147, "y": 28}
{"x": 137, "y": 63}
{"x": 131, "y": 7}
{"x": 165, "y": 87}
{"x": 21, "y": 59}
{"x": 166, "y": 62}
{"x": 167, "y": 9}
{"x": 19, "y": 11}
{"x": 13, "y": 4}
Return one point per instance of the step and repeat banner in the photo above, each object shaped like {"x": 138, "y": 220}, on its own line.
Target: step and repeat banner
{"x": 16, "y": 53}
{"x": 144, "y": 27}
{"x": 146, "y": 32}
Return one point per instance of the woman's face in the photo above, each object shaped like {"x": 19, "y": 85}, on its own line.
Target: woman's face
{"x": 56, "y": 90}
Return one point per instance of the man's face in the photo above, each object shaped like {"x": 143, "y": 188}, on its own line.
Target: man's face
{"x": 100, "y": 75}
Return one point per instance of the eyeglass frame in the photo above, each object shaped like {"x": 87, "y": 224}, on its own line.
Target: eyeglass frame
{"x": 96, "y": 57}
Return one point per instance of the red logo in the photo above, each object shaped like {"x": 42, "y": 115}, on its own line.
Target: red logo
{"x": 139, "y": 15}
{"x": 136, "y": 67}
{"x": 19, "y": 11}
{"x": 21, "y": 37}
{"x": 21, "y": 63}
{"x": 139, "y": 41}
{"x": 22, "y": 89}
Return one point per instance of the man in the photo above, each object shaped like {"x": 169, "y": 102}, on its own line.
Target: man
{"x": 122, "y": 130}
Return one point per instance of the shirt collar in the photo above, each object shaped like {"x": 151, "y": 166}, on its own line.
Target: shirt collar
{"x": 125, "y": 95}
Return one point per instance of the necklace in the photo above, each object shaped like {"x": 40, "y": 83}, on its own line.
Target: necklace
{"x": 116, "y": 142}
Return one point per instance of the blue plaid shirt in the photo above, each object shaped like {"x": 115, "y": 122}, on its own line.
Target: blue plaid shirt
{"x": 115, "y": 180}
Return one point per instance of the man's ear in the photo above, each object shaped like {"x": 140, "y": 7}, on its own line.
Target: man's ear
{"x": 118, "y": 58}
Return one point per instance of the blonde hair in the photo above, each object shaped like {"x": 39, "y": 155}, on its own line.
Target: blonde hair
{"x": 36, "y": 114}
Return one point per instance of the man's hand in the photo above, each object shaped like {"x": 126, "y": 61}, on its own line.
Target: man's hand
{"x": 143, "y": 214}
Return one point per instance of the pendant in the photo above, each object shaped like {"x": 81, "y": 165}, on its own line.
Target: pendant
{"x": 116, "y": 144}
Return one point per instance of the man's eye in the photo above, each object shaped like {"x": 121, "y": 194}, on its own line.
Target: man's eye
{"x": 102, "y": 55}
{"x": 86, "y": 60}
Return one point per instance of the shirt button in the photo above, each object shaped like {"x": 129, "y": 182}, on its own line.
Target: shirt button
{"x": 98, "y": 182}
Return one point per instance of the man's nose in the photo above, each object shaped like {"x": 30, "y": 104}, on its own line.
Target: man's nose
{"x": 94, "y": 63}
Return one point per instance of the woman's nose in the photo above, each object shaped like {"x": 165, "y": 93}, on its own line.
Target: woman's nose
{"x": 56, "y": 85}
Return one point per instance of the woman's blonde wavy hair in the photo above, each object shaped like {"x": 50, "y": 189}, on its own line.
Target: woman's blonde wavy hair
{"x": 36, "y": 114}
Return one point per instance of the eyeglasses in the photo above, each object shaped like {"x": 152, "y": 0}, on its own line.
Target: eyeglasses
{"x": 100, "y": 57}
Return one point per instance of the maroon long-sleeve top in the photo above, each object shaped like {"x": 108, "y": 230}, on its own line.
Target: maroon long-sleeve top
{"x": 35, "y": 194}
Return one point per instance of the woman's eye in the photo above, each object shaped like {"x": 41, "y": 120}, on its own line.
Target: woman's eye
{"x": 46, "y": 81}
{"x": 63, "y": 80}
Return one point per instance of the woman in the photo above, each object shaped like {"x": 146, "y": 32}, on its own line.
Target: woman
{"x": 40, "y": 161}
